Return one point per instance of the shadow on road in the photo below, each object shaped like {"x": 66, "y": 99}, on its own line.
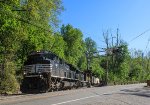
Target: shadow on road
{"x": 143, "y": 92}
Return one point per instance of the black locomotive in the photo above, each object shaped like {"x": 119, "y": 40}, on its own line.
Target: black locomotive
{"x": 45, "y": 71}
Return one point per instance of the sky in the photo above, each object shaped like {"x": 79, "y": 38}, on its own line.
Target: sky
{"x": 93, "y": 17}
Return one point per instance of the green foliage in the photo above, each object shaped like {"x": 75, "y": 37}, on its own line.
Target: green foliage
{"x": 82, "y": 64}
{"x": 73, "y": 38}
{"x": 137, "y": 69}
{"x": 127, "y": 67}
{"x": 90, "y": 46}
{"x": 59, "y": 45}
{"x": 10, "y": 37}
{"x": 120, "y": 65}
{"x": 8, "y": 82}
{"x": 24, "y": 31}
{"x": 96, "y": 69}
{"x": 38, "y": 24}
{"x": 9, "y": 31}
{"x": 148, "y": 77}
{"x": 93, "y": 57}
{"x": 35, "y": 29}
{"x": 124, "y": 71}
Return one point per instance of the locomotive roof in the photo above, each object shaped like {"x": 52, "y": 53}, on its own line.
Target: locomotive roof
{"x": 48, "y": 52}
{"x": 41, "y": 52}
{"x": 45, "y": 52}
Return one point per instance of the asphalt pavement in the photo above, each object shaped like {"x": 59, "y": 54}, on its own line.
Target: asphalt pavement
{"x": 134, "y": 94}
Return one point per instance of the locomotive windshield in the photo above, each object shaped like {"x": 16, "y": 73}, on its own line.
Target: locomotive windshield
{"x": 36, "y": 59}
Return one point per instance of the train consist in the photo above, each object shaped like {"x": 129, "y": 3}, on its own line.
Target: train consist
{"x": 45, "y": 71}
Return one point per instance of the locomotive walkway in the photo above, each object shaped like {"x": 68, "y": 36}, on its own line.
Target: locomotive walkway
{"x": 134, "y": 94}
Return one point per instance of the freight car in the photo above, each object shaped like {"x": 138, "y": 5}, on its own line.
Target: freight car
{"x": 45, "y": 71}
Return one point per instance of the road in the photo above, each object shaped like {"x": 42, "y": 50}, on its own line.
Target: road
{"x": 135, "y": 94}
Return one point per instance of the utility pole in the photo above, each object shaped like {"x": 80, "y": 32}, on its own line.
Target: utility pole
{"x": 142, "y": 66}
{"x": 117, "y": 37}
{"x": 87, "y": 59}
{"x": 113, "y": 41}
{"x": 112, "y": 49}
{"x": 88, "y": 64}
{"x": 107, "y": 50}
{"x": 107, "y": 62}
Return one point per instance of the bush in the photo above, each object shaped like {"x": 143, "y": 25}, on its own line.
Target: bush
{"x": 8, "y": 82}
{"x": 9, "y": 85}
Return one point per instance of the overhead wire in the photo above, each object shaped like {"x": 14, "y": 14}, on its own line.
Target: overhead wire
{"x": 147, "y": 45}
{"x": 139, "y": 35}
{"x": 27, "y": 22}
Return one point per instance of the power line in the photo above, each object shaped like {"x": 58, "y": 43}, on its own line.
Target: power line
{"x": 27, "y": 22}
{"x": 147, "y": 45}
{"x": 140, "y": 35}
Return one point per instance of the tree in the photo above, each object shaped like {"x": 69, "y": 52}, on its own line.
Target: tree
{"x": 90, "y": 51}
{"x": 116, "y": 60}
{"x": 120, "y": 62}
{"x": 59, "y": 45}
{"x": 147, "y": 66}
{"x": 91, "y": 47}
{"x": 137, "y": 65}
{"x": 96, "y": 68}
{"x": 73, "y": 38}
{"x": 24, "y": 27}
{"x": 93, "y": 58}
{"x": 10, "y": 37}
{"x": 39, "y": 22}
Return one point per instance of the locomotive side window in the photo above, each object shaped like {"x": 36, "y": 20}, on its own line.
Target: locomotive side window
{"x": 69, "y": 74}
{"x": 61, "y": 61}
{"x": 65, "y": 74}
{"x": 50, "y": 56}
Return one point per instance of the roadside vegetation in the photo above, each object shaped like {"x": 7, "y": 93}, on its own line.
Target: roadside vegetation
{"x": 32, "y": 25}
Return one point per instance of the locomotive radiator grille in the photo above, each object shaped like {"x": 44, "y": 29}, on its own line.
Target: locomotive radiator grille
{"x": 29, "y": 69}
{"x": 37, "y": 68}
{"x": 43, "y": 68}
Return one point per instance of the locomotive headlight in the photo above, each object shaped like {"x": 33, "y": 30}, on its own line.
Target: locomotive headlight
{"x": 39, "y": 72}
{"x": 24, "y": 73}
{"x": 40, "y": 76}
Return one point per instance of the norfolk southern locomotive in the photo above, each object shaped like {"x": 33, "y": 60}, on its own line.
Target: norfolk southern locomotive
{"x": 45, "y": 71}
